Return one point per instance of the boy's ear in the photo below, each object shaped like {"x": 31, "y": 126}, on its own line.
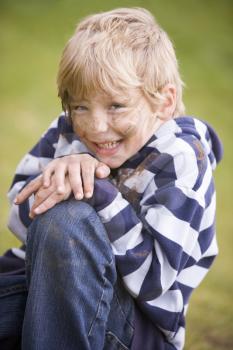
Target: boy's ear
{"x": 166, "y": 109}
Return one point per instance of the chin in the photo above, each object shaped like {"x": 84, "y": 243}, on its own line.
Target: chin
{"x": 112, "y": 164}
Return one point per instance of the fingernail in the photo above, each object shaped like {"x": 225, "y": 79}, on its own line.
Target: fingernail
{"x": 60, "y": 189}
{"x": 88, "y": 194}
{"x": 15, "y": 201}
{"x": 30, "y": 216}
{"x": 79, "y": 196}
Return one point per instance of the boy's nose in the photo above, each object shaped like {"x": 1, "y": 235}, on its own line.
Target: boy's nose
{"x": 99, "y": 123}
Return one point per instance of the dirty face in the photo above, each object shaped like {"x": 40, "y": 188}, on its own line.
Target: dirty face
{"x": 116, "y": 127}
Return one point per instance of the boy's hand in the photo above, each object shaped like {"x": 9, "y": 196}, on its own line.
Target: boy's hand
{"x": 74, "y": 173}
{"x": 32, "y": 187}
{"x": 80, "y": 169}
{"x": 47, "y": 198}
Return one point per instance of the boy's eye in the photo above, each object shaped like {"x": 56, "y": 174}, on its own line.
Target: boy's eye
{"x": 79, "y": 108}
{"x": 115, "y": 106}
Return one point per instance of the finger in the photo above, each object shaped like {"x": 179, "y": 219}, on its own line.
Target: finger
{"x": 47, "y": 174}
{"x": 102, "y": 170}
{"x": 31, "y": 215}
{"x": 41, "y": 196}
{"x": 88, "y": 174}
{"x": 59, "y": 177}
{"x": 47, "y": 198}
{"x": 28, "y": 190}
{"x": 75, "y": 181}
{"x": 48, "y": 203}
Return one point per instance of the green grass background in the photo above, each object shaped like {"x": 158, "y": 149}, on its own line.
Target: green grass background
{"x": 32, "y": 36}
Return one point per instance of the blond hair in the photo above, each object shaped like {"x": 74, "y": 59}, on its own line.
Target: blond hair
{"x": 115, "y": 50}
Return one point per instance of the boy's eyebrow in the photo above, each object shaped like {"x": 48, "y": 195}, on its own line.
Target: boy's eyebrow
{"x": 121, "y": 98}
{"x": 113, "y": 98}
{"x": 120, "y": 101}
{"x": 77, "y": 100}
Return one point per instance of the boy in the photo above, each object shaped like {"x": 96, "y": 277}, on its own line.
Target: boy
{"x": 124, "y": 118}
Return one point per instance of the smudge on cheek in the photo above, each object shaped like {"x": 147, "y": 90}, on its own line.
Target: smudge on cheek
{"x": 126, "y": 127}
{"x": 81, "y": 127}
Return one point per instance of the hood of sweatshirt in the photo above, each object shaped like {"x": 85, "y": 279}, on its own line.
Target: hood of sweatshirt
{"x": 192, "y": 128}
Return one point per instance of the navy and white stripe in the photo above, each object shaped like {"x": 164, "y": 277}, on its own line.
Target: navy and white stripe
{"x": 160, "y": 217}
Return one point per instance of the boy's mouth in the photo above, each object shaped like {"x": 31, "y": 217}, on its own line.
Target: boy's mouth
{"x": 107, "y": 148}
{"x": 108, "y": 145}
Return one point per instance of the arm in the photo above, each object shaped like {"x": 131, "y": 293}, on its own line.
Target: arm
{"x": 154, "y": 247}
{"x": 28, "y": 169}
{"x": 158, "y": 240}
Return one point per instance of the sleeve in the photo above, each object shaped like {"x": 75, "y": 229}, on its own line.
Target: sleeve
{"x": 152, "y": 247}
{"x": 29, "y": 167}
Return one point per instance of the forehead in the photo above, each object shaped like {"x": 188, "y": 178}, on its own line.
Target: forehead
{"x": 130, "y": 95}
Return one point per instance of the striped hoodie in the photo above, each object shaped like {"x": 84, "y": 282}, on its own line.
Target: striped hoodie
{"x": 158, "y": 209}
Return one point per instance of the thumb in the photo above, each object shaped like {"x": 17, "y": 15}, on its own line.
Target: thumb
{"x": 102, "y": 170}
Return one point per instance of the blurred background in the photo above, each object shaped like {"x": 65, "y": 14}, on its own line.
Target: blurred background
{"x": 32, "y": 36}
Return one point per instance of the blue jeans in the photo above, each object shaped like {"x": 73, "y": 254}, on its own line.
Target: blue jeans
{"x": 75, "y": 300}
{"x": 13, "y": 296}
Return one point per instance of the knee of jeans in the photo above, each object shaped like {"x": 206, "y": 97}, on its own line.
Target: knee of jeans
{"x": 70, "y": 224}
{"x": 63, "y": 212}
{"x": 70, "y": 209}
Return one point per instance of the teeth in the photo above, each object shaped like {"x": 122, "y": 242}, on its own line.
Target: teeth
{"x": 108, "y": 144}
